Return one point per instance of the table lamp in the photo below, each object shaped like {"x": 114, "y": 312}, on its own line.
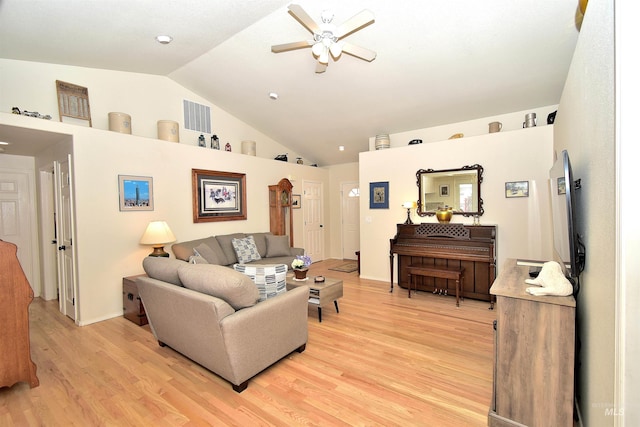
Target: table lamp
{"x": 157, "y": 235}
{"x": 409, "y": 206}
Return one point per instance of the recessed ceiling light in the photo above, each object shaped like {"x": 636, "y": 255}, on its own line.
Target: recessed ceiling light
{"x": 341, "y": 148}
{"x": 164, "y": 39}
{"x": 273, "y": 95}
{"x": 4, "y": 143}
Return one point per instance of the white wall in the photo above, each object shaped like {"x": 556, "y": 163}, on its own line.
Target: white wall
{"x": 146, "y": 98}
{"x": 511, "y": 121}
{"x": 586, "y": 128}
{"x": 523, "y": 223}
{"x": 107, "y": 239}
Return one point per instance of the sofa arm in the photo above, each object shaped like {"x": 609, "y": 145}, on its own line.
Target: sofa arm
{"x": 258, "y": 336}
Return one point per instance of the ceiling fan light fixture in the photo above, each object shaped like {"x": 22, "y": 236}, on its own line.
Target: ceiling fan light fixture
{"x": 336, "y": 49}
{"x": 317, "y": 49}
{"x": 324, "y": 56}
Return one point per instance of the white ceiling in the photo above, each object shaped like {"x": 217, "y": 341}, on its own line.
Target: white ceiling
{"x": 437, "y": 62}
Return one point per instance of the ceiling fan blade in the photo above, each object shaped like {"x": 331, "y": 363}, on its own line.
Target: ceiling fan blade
{"x": 321, "y": 68}
{"x": 301, "y": 16}
{"x": 360, "y": 52}
{"x": 291, "y": 46}
{"x": 354, "y": 23}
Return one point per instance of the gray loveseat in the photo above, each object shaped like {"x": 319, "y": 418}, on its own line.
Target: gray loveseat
{"x": 219, "y": 250}
{"x": 210, "y": 314}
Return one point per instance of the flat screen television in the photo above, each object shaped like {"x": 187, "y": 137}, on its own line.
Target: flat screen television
{"x": 567, "y": 243}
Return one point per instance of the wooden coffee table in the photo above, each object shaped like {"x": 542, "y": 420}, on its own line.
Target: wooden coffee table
{"x": 319, "y": 293}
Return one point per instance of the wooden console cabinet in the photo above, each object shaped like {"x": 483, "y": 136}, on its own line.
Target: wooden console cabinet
{"x": 534, "y": 354}
{"x": 15, "y": 296}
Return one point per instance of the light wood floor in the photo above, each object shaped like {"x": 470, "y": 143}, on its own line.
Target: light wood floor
{"x": 384, "y": 360}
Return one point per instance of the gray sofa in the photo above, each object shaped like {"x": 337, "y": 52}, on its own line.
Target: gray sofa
{"x": 219, "y": 250}
{"x": 210, "y": 314}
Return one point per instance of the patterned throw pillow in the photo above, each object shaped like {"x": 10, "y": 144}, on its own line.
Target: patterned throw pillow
{"x": 271, "y": 280}
{"x": 246, "y": 249}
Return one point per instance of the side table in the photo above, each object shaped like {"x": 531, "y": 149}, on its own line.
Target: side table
{"x": 320, "y": 293}
{"x": 132, "y": 306}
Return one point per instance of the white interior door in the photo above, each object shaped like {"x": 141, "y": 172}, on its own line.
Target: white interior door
{"x": 350, "y": 193}
{"x": 312, "y": 211}
{"x": 17, "y": 221}
{"x": 49, "y": 242}
{"x": 66, "y": 251}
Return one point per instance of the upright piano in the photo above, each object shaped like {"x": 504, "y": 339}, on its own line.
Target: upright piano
{"x": 447, "y": 245}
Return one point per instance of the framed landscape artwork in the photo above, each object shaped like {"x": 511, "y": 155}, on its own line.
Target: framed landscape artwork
{"x": 516, "y": 189}
{"x": 136, "y": 193}
{"x": 218, "y": 196}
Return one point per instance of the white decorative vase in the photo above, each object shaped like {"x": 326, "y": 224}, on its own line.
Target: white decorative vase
{"x": 168, "y": 130}
{"x": 382, "y": 142}
{"x": 249, "y": 148}
{"x": 120, "y": 122}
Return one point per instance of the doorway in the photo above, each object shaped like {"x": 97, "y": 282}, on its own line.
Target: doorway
{"x": 350, "y": 208}
{"x": 312, "y": 212}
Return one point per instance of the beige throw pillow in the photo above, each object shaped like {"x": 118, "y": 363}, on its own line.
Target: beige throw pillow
{"x": 278, "y": 246}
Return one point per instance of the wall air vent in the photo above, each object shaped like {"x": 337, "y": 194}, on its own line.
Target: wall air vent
{"x": 197, "y": 117}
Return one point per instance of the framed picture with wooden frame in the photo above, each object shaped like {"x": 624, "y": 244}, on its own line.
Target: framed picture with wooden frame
{"x": 73, "y": 101}
{"x": 218, "y": 196}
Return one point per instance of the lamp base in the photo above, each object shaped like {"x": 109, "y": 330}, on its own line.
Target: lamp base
{"x": 159, "y": 252}
{"x": 408, "y": 221}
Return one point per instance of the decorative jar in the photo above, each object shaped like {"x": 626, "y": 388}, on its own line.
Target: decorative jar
{"x": 444, "y": 215}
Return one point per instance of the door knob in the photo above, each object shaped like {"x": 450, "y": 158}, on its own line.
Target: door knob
{"x": 62, "y": 248}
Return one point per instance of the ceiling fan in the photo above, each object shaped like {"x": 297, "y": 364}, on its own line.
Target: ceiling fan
{"x": 327, "y": 37}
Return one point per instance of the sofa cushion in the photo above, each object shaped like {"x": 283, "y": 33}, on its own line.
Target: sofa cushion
{"x": 212, "y": 256}
{"x": 197, "y": 258}
{"x": 227, "y": 247}
{"x": 245, "y": 249}
{"x": 161, "y": 268}
{"x": 270, "y": 280}
{"x": 184, "y": 250}
{"x": 277, "y": 246}
{"x": 221, "y": 282}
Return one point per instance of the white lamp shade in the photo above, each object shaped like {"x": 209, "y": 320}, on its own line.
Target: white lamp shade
{"x": 410, "y": 205}
{"x": 157, "y": 233}
{"x": 317, "y": 49}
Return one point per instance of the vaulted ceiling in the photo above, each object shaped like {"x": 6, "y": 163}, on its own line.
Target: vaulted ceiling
{"x": 437, "y": 62}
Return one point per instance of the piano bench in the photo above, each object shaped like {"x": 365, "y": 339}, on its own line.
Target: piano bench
{"x": 453, "y": 273}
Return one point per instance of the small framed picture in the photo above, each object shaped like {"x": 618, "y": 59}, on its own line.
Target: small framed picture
{"x": 516, "y": 189}
{"x": 296, "y": 201}
{"x": 379, "y": 195}
{"x": 136, "y": 193}
{"x": 444, "y": 190}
